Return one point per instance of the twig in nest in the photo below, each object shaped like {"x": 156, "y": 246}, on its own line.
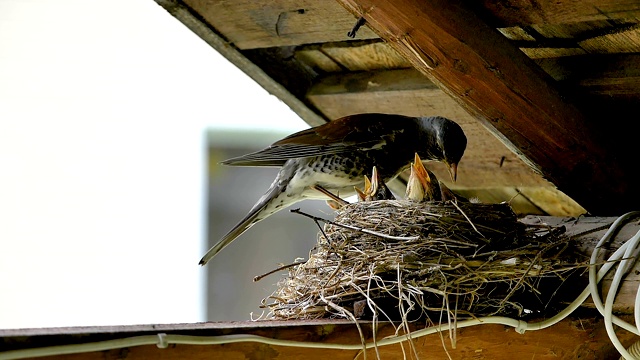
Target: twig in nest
{"x": 346, "y": 312}
{"x": 533, "y": 263}
{"x": 315, "y": 220}
{"x": 363, "y": 230}
{"x": 466, "y": 217}
{"x": 260, "y": 277}
{"x": 339, "y": 202}
{"x": 335, "y": 271}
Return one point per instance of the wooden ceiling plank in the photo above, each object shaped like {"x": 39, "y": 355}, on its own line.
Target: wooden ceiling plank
{"x": 580, "y": 30}
{"x": 317, "y": 60}
{"x": 181, "y": 12}
{"x": 516, "y": 33}
{"x": 505, "y": 13}
{"x": 527, "y": 200}
{"x": 542, "y": 53}
{"x": 368, "y": 57}
{"x": 551, "y": 201}
{"x": 250, "y": 24}
{"x": 373, "y": 81}
{"x": 351, "y": 57}
{"x": 627, "y": 41}
{"x": 502, "y": 88}
{"x": 608, "y": 74}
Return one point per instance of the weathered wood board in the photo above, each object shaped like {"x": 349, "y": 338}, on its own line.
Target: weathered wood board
{"x": 523, "y": 12}
{"x": 249, "y": 24}
{"x": 570, "y": 339}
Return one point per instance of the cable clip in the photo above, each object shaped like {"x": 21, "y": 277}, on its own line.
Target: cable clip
{"x": 522, "y": 327}
{"x": 162, "y": 341}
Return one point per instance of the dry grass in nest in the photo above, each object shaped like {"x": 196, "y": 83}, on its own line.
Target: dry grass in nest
{"x": 400, "y": 260}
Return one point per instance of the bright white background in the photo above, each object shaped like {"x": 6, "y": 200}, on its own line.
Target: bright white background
{"x": 104, "y": 108}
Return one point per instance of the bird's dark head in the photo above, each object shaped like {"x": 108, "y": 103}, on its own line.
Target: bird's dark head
{"x": 450, "y": 141}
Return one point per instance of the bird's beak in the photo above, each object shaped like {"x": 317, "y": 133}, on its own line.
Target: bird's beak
{"x": 419, "y": 184}
{"x": 453, "y": 171}
{"x": 374, "y": 181}
{"x": 421, "y": 172}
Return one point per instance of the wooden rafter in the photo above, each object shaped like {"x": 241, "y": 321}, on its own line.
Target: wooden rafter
{"x": 504, "y": 89}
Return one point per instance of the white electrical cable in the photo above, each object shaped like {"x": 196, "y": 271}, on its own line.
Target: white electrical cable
{"x": 611, "y": 295}
{"x": 636, "y": 309}
{"x": 634, "y": 350}
{"x": 163, "y": 340}
{"x": 608, "y": 305}
{"x": 617, "y": 255}
{"x": 593, "y": 281}
{"x": 628, "y": 248}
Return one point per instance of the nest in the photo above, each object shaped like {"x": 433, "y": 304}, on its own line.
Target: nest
{"x": 402, "y": 260}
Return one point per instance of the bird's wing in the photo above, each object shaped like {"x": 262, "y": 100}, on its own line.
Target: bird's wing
{"x": 249, "y": 160}
{"x": 278, "y": 154}
{"x": 355, "y": 132}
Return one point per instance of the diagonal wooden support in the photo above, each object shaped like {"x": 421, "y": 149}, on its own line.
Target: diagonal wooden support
{"x": 505, "y": 90}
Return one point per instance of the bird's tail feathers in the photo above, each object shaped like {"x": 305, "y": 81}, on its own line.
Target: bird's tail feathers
{"x": 263, "y": 208}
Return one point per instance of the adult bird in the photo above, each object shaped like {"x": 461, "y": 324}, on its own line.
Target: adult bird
{"x": 335, "y": 156}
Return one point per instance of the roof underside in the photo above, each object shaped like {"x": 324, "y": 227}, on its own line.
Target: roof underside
{"x": 541, "y": 88}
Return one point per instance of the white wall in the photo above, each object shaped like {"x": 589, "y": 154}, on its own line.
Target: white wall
{"x": 104, "y": 107}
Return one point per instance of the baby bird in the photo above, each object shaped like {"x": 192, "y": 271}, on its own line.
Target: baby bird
{"x": 423, "y": 185}
{"x": 420, "y": 185}
{"x": 374, "y": 189}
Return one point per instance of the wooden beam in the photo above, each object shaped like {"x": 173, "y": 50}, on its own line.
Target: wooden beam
{"x": 503, "y": 89}
{"x": 570, "y": 339}
{"x": 192, "y": 21}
